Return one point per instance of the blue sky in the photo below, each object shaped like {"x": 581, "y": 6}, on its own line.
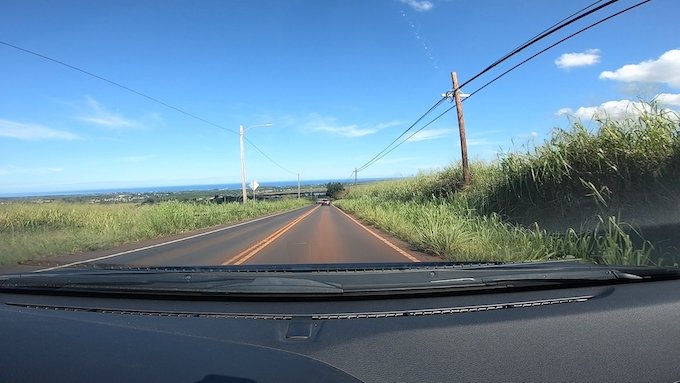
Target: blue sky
{"x": 339, "y": 80}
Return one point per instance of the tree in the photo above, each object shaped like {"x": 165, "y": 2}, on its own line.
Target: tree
{"x": 333, "y": 189}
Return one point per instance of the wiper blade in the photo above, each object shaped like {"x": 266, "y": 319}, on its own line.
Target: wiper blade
{"x": 522, "y": 279}
{"x": 332, "y": 282}
{"x": 564, "y": 276}
{"x": 173, "y": 283}
{"x": 567, "y": 275}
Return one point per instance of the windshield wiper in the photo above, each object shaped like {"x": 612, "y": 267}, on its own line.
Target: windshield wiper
{"x": 170, "y": 283}
{"x": 566, "y": 276}
{"x": 332, "y": 282}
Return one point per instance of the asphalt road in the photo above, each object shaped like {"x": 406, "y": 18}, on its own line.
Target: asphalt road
{"x": 316, "y": 234}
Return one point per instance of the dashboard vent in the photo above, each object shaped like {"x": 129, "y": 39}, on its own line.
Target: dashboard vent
{"x": 330, "y": 316}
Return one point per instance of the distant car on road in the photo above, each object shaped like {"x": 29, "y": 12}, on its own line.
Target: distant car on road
{"x": 324, "y": 202}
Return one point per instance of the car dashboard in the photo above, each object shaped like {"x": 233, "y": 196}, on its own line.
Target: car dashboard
{"x": 623, "y": 332}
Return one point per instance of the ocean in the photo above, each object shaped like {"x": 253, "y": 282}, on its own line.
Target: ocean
{"x": 176, "y": 188}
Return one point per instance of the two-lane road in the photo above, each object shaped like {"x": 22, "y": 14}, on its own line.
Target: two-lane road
{"x": 326, "y": 235}
{"x": 315, "y": 234}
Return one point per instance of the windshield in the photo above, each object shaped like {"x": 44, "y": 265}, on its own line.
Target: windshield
{"x": 258, "y": 133}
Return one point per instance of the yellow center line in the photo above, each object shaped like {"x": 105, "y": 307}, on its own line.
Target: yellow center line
{"x": 388, "y": 243}
{"x": 251, "y": 251}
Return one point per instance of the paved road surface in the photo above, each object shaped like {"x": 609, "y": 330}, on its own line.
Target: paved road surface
{"x": 324, "y": 235}
{"x": 316, "y": 234}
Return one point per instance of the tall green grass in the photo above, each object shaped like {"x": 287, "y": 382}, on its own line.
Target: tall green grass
{"x": 448, "y": 230}
{"x": 581, "y": 184}
{"x": 31, "y": 231}
{"x": 612, "y": 165}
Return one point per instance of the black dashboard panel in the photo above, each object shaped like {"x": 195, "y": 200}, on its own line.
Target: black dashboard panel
{"x": 619, "y": 333}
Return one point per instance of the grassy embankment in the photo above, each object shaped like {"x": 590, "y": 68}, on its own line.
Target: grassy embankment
{"x": 566, "y": 198}
{"x": 32, "y": 231}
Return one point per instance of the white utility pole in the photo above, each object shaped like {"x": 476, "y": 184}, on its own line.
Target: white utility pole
{"x": 243, "y": 159}
{"x": 298, "y": 185}
{"x": 243, "y": 166}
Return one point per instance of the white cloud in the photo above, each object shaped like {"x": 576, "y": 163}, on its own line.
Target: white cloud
{"x": 571, "y": 60}
{"x": 139, "y": 158}
{"x": 486, "y": 133}
{"x": 98, "y": 115}
{"x": 480, "y": 142}
{"x": 668, "y": 99}
{"x": 390, "y": 124}
{"x": 351, "y": 131}
{"x": 611, "y": 109}
{"x": 617, "y": 110}
{"x": 664, "y": 70}
{"x": 430, "y": 134}
{"x": 419, "y": 5}
{"x": 29, "y": 171}
{"x": 26, "y": 131}
{"x": 317, "y": 123}
{"x": 531, "y": 135}
{"x": 564, "y": 112}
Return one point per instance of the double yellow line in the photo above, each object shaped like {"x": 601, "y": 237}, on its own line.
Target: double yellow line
{"x": 251, "y": 251}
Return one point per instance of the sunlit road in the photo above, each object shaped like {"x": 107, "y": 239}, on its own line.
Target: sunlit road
{"x": 325, "y": 235}
{"x": 315, "y": 234}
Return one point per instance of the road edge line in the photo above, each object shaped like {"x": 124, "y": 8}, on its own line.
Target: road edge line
{"x": 388, "y": 243}
{"x": 165, "y": 243}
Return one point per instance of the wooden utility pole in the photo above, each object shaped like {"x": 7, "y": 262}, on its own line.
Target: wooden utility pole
{"x": 461, "y": 129}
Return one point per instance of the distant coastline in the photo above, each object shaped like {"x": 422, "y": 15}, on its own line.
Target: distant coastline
{"x": 176, "y": 188}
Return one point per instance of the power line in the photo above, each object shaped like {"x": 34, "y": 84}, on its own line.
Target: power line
{"x": 372, "y": 160}
{"x": 417, "y": 131}
{"x": 545, "y": 33}
{"x": 539, "y": 37}
{"x": 515, "y": 67}
{"x": 563, "y": 20}
{"x": 266, "y": 156}
{"x": 519, "y": 47}
{"x": 349, "y": 179}
{"x": 127, "y": 88}
{"x": 555, "y": 44}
